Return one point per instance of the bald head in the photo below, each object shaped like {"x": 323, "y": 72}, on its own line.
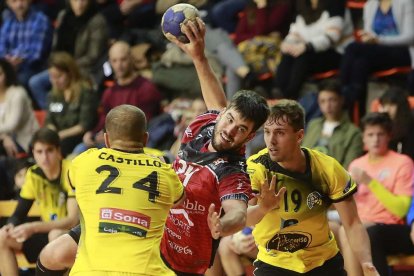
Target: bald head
{"x": 121, "y": 60}
{"x": 126, "y": 125}
{"x": 119, "y": 48}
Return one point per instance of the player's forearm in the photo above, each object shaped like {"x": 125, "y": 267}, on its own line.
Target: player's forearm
{"x": 254, "y": 215}
{"x": 211, "y": 88}
{"x": 45, "y": 227}
{"x": 232, "y": 222}
{"x": 359, "y": 241}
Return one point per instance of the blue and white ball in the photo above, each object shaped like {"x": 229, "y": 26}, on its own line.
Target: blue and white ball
{"x": 174, "y": 17}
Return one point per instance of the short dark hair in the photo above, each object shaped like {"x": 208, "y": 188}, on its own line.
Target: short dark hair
{"x": 289, "y": 111}
{"x": 251, "y": 106}
{"x": 332, "y": 85}
{"x": 9, "y": 72}
{"x": 381, "y": 119}
{"x": 46, "y": 136}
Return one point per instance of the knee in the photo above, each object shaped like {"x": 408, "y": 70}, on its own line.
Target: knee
{"x": 52, "y": 255}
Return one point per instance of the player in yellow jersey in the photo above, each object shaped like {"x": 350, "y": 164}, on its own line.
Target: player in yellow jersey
{"x": 293, "y": 234}
{"x": 124, "y": 197}
{"x": 46, "y": 184}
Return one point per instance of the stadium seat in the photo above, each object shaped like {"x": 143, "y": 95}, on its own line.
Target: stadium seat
{"x": 40, "y": 117}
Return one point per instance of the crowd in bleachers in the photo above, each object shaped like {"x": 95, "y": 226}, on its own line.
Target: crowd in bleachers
{"x": 75, "y": 60}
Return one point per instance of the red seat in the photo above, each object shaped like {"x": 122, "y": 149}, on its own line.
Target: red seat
{"x": 392, "y": 71}
{"x": 40, "y": 117}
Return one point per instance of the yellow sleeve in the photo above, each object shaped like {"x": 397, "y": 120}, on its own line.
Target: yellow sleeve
{"x": 67, "y": 184}
{"x": 177, "y": 187}
{"x": 396, "y": 204}
{"x": 28, "y": 190}
{"x": 341, "y": 183}
{"x": 257, "y": 174}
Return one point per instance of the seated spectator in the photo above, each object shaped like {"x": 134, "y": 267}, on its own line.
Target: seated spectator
{"x": 391, "y": 239}
{"x": 18, "y": 44}
{"x": 386, "y": 41}
{"x": 334, "y": 133}
{"x": 72, "y": 103}
{"x": 263, "y": 17}
{"x": 394, "y": 101}
{"x": 385, "y": 185}
{"x": 46, "y": 184}
{"x": 124, "y": 15}
{"x": 225, "y": 14}
{"x": 17, "y": 120}
{"x": 316, "y": 34}
{"x": 258, "y": 35}
{"x": 129, "y": 88}
{"x": 81, "y": 32}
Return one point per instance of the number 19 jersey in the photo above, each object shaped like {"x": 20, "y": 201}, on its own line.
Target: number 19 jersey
{"x": 124, "y": 199}
{"x": 296, "y": 236}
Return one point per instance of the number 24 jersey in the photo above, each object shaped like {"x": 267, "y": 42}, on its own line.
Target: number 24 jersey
{"x": 124, "y": 200}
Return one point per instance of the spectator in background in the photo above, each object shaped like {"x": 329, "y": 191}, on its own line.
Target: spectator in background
{"x": 45, "y": 183}
{"x": 394, "y": 102}
{"x": 81, "y": 32}
{"x": 129, "y": 88}
{"x": 25, "y": 39}
{"x": 17, "y": 120}
{"x": 333, "y": 134}
{"x": 313, "y": 37}
{"x": 72, "y": 103}
{"x": 386, "y": 41}
{"x": 225, "y": 14}
{"x": 385, "y": 185}
{"x": 124, "y": 15}
{"x": 17, "y": 125}
{"x": 262, "y": 17}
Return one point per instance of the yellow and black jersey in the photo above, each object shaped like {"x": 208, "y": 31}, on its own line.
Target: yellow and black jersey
{"x": 296, "y": 236}
{"x": 50, "y": 195}
{"x": 124, "y": 199}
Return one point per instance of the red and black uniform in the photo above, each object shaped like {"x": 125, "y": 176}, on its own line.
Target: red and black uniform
{"x": 208, "y": 177}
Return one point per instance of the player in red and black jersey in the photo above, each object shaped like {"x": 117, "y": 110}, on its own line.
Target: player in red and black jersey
{"x": 211, "y": 166}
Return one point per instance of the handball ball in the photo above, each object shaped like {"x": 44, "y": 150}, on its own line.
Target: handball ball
{"x": 174, "y": 17}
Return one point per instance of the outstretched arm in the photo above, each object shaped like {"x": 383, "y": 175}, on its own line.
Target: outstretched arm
{"x": 357, "y": 235}
{"x": 211, "y": 88}
{"x": 233, "y": 220}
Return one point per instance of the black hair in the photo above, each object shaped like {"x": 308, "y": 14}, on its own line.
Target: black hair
{"x": 46, "y": 136}
{"x": 331, "y": 85}
{"x": 381, "y": 119}
{"x": 251, "y": 106}
{"x": 403, "y": 117}
{"x": 9, "y": 72}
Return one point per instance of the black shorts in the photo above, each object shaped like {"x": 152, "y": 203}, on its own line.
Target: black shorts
{"x": 75, "y": 233}
{"x": 333, "y": 266}
{"x": 33, "y": 245}
{"x": 178, "y": 273}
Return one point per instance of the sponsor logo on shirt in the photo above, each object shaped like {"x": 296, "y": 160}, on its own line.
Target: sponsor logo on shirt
{"x": 112, "y": 228}
{"x": 125, "y": 216}
{"x": 289, "y": 241}
{"x": 313, "y": 199}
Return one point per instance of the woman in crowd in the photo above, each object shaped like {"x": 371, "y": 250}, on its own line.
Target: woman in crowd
{"x": 394, "y": 101}
{"x": 17, "y": 120}
{"x": 82, "y": 32}
{"x": 315, "y": 36}
{"x": 72, "y": 103}
{"x": 386, "y": 41}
